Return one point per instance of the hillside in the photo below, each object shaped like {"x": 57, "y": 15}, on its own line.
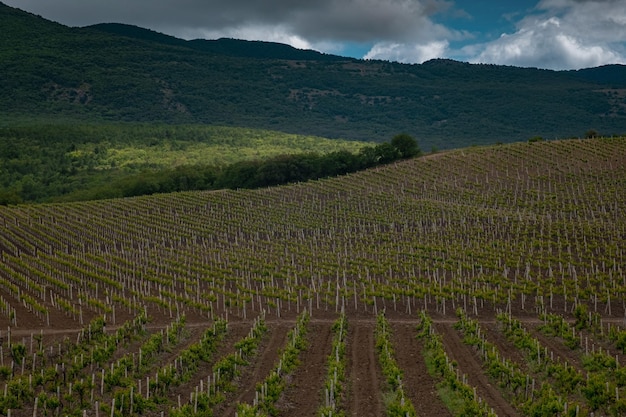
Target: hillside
{"x": 113, "y": 72}
{"x": 508, "y": 261}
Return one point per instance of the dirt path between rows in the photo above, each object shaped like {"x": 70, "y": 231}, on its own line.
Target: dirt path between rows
{"x": 419, "y": 386}
{"x": 507, "y": 349}
{"x": 363, "y": 371}
{"x": 23, "y": 330}
{"x": 556, "y": 349}
{"x": 225, "y": 347}
{"x": 303, "y": 396}
{"x": 471, "y": 366}
{"x": 261, "y": 367}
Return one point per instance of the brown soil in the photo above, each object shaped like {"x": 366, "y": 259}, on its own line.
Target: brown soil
{"x": 556, "y": 349}
{"x": 266, "y": 360}
{"x": 305, "y": 387}
{"x": 363, "y": 372}
{"x": 364, "y": 381}
{"x": 506, "y": 348}
{"x": 419, "y": 386}
{"x": 235, "y": 333}
{"x": 470, "y": 365}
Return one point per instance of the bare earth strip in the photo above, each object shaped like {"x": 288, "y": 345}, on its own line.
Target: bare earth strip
{"x": 471, "y": 366}
{"x": 259, "y": 368}
{"x": 419, "y": 386}
{"x": 557, "y": 349}
{"x": 507, "y": 349}
{"x": 363, "y": 370}
{"x": 236, "y": 331}
{"x": 304, "y": 393}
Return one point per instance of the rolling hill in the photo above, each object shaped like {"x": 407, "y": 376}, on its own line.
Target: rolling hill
{"x": 112, "y": 72}
{"x": 511, "y": 257}
{"x": 486, "y": 280}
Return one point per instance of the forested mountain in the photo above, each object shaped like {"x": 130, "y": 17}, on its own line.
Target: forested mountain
{"x": 113, "y": 72}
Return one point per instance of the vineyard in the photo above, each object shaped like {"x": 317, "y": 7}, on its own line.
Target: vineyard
{"x": 488, "y": 281}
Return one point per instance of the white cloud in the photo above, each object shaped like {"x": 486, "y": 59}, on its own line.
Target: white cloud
{"x": 557, "y": 34}
{"x": 408, "y": 53}
{"x": 563, "y": 34}
{"x": 278, "y": 33}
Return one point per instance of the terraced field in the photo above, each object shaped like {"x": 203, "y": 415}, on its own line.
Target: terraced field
{"x": 482, "y": 281}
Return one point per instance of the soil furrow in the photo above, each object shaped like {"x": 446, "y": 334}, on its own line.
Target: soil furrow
{"x": 226, "y": 346}
{"x": 363, "y": 370}
{"x": 419, "y": 386}
{"x": 261, "y": 366}
{"x": 161, "y": 323}
{"x": 304, "y": 393}
{"x": 556, "y": 349}
{"x": 507, "y": 349}
{"x": 470, "y": 365}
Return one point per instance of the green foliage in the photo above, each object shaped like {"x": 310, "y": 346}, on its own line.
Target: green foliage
{"x": 248, "y": 345}
{"x": 406, "y": 145}
{"x": 18, "y": 351}
{"x": 228, "y": 368}
{"x": 555, "y": 325}
{"x": 598, "y": 361}
{"x": 48, "y": 403}
{"x": 189, "y": 359}
{"x": 19, "y": 392}
{"x": 385, "y": 353}
{"x": 86, "y": 162}
{"x": 268, "y": 391}
{"x": 336, "y": 372}
{"x": 440, "y": 231}
{"x": 596, "y": 392}
{"x": 44, "y": 162}
{"x": 457, "y": 395}
{"x": 581, "y": 314}
{"x": 121, "y": 73}
{"x": 541, "y": 402}
{"x": 566, "y": 378}
{"x": 5, "y": 373}
{"x": 396, "y": 403}
{"x": 547, "y": 403}
{"x": 620, "y": 339}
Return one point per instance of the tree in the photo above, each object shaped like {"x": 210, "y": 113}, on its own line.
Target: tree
{"x": 368, "y": 157}
{"x": 406, "y": 145}
{"x": 386, "y": 153}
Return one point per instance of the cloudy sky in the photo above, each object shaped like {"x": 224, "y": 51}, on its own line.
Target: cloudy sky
{"x": 555, "y": 34}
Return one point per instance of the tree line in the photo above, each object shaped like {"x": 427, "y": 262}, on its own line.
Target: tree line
{"x": 250, "y": 174}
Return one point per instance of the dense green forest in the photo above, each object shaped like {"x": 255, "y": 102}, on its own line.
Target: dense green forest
{"x": 112, "y": 73}
{"x": 85, "y": 162}
{"x": 52, "y": 162}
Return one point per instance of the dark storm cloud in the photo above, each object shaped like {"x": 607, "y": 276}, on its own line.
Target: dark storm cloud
{"x": 322, "y": 20}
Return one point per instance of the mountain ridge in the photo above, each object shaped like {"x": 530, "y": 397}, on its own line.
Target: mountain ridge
{"x": 116, "y": 72}
{"x": 222, "y": 46}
